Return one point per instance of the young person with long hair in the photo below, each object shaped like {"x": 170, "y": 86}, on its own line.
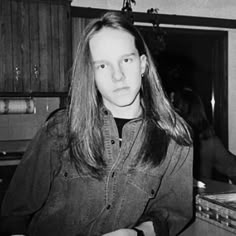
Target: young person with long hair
{"x": 211, "y": 158}
{"x": 118, "y": 160}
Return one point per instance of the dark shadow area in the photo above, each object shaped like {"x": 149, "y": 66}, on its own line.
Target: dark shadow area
{"x": 196, "y": 59}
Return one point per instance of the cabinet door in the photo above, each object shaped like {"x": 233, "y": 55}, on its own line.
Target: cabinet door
{"x": 35, "y": 79}
{"x": 35, "y": 46}
{"x": 78, "y": 26}
{"x": 54, "y": 45}
{"x": 6, "y": 50}
{"x": 20, "y": 46}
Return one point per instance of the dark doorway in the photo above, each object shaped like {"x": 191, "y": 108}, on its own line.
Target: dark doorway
{"x": 196, "y": 59}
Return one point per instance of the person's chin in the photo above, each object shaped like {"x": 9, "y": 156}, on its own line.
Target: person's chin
{"x": 124, "y": 102}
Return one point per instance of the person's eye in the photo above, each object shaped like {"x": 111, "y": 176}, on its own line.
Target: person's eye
{"x": 127, "y": 60}
{"x": 101, "y": 66}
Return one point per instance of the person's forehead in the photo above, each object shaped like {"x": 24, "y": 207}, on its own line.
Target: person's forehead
{"x": 112, "y": 41}
{"x": 111, "y": 35}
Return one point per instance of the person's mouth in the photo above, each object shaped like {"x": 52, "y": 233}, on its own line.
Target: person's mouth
{"x": 121, "y": 89}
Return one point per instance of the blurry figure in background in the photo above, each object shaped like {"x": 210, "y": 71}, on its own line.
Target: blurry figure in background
{"x": 209, "y": 152}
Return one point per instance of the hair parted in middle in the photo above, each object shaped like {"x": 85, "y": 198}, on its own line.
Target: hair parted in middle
{"x": 86, "y": 139}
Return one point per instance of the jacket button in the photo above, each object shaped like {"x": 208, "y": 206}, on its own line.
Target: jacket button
{"x": 152, "y": 191}
{"x": 112, "y": 141}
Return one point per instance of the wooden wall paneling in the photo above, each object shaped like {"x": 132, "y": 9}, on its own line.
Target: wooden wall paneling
{"x": 25, "y": 47}
{"x": 21, "y": 45}
{"x": 35, "y": 50}
{"x": 45, "y": 47}
{"x": 64, "y": 47}
{"x": 17, "y": 41}
{"x": 54, "y": 81}
{"x": 35, "y": 74}
{"x": 78, "y": 26}
{"x": 1, "y": 43}
{"x": 6, "y": 66}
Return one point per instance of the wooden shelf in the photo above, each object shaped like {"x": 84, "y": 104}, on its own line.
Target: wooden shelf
{"x": 162, "y": 18}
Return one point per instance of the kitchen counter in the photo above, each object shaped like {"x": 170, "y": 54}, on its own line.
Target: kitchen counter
{"x": 11, "y": 151}
{"x": 14, "y": 145}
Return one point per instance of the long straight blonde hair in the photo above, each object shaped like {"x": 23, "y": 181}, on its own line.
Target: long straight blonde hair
{"x": 85, "y": 123}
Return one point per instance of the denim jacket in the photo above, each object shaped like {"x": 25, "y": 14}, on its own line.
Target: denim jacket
{"x": 48, "y": 192}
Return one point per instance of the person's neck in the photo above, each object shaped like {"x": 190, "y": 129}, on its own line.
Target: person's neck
{"x": 126, "y": 112}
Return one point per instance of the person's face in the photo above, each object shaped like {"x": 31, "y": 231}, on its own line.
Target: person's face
{"x": 118, "y": 68}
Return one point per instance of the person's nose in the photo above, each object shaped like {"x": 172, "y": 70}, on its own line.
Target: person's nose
{"x": 117, "y": 73}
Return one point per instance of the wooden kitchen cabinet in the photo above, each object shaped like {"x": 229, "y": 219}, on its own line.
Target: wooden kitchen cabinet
{"x": 35, "y": 45}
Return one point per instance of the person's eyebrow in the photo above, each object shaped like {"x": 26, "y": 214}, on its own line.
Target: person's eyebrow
{"x": 99, "y": 61}
{"x": 122, "y": 56}
{"x": 129, "y": 54}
